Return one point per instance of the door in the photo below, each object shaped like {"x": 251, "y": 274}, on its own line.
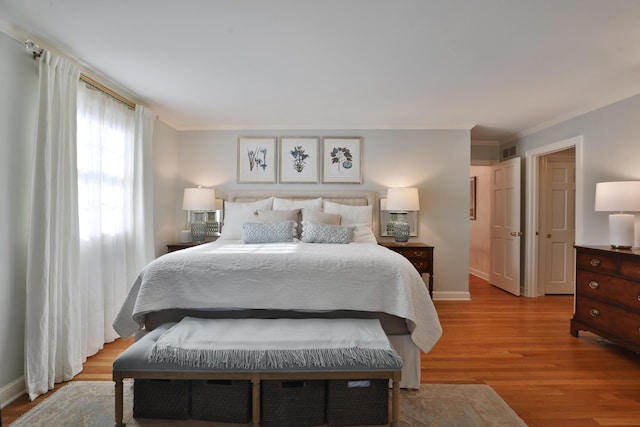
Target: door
{"x": 505, "y": 226}
{"x": 557, "y": 231}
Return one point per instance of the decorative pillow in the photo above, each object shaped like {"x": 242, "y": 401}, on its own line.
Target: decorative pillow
{"x": 237, "y": 213}
{"x": 363, "y": 234}
{"x": 284, "y": 204}
{"x": 313, "y": 232}
{"x": 319, "y": 216}
{"x": 350, "y": 215}
{"x": 278, "y": 215}
{"x": 268, "y": 232}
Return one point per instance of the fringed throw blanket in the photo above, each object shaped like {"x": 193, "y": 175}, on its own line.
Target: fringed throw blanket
{"x": 264, "y": 344}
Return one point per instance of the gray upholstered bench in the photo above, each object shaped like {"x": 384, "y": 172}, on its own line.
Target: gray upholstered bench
{"x": 133, "y": 363}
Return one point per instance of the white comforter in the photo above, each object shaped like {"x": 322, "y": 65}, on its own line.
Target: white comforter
{"x": 290, "y": 276}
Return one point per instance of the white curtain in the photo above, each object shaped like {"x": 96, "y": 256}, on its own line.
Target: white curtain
{"x": 91, "y": 228}
{"x": 52, "y": 310}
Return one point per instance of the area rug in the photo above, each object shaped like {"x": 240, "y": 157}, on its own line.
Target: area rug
{"x": 90, "y": 404}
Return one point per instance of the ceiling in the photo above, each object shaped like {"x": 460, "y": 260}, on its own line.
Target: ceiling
{"x": 502, "y": 68}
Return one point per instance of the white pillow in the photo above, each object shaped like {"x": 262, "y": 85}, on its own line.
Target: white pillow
{"x": 285, "y": 204}
{"x": 350, "y": 215}
{"x": 363, "y": 234}
{"x": 237, "y": 213}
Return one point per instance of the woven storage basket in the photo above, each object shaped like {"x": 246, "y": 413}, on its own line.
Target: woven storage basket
{"x": 224, "y": 401}
{"x": 293, "y": 403}
{"x": 168, "y": 399}
{"x": 352, "y": 403}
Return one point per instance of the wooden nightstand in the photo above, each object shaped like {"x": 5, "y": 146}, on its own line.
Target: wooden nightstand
{"x": 172, "y": 247}
{"x": 420, "y": 255}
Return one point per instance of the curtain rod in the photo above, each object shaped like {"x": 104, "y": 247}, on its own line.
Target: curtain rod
{"x": 102, "y": 88}
{"x": 37, "y": 51}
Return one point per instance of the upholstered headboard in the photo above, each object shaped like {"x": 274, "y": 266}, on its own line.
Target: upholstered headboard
{"x": 354, "y": 198}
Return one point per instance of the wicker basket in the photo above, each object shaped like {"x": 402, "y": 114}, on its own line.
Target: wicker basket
{"x": 225, "y": 401}
{"x": 293, "y": 403}
{"x": 353, "y": 403}
{"x": 168, "y": 399}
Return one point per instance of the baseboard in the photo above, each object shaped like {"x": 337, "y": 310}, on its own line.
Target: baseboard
{"x": 451, "y": 296}
{"x": 12, "y": 391}
{"x": 478, "y": 273}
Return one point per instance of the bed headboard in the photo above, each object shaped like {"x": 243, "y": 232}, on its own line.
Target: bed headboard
{"x": 354, "y": 198}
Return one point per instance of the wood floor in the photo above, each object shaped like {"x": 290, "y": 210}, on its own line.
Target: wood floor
{"x": 519, "y": 346}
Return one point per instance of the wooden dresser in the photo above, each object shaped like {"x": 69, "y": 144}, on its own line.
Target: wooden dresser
{"x": 608, "y": 294}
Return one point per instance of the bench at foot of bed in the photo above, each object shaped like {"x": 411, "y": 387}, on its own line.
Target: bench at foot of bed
{"x": 353, "y": 392}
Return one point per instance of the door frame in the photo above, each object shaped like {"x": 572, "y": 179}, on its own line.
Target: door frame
{"x": 531, "y": 288}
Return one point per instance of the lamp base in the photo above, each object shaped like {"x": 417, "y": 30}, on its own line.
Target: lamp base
{"x": 399, "y": 226}
{"x": 621, "y": 231}
{"x": 198, "y": 228}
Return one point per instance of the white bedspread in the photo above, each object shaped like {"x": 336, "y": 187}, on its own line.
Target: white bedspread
{"x": 288, "y": 276}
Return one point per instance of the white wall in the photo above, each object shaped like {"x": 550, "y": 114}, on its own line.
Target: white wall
{"x": 611, "y": 152}
{"x": 479, "y": 251}
{"x": 436, "y": 161}
{"x": 18, "y": 89}
{"x": 165, "y": 159}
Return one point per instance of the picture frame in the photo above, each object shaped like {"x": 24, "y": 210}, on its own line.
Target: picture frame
{"x": 299, "y": 159}
{"x": 385, "y": 218}
{"x": 472, "y": 193}
{"x": 257, "y": 161}
{"x": 342, "y": 160}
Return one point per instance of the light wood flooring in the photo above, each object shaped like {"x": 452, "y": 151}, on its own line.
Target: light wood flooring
{"x": 519, "y": 346}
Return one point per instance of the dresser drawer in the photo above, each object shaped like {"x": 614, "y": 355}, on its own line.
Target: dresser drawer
{"x": 608, "y": 289}
{"x": 598, "y": 262}
{"x": 619, "y": 324}
{"x": 630, "y": 268}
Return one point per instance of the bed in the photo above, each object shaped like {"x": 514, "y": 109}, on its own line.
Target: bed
{"x": 290, "y": 254}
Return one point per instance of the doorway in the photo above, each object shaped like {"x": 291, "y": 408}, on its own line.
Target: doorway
{"x": 556, "y": 214}
{"x": 539, "y": 251}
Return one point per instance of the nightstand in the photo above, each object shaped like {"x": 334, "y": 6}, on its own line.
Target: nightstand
{"x": 172, "y": 247}
{"x": 420, "y": 255}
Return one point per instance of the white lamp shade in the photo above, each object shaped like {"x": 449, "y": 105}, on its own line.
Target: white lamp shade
{"x": 403, "y": 199}
{"x": 618, "y": 196}
{"x": 199, "y": 199}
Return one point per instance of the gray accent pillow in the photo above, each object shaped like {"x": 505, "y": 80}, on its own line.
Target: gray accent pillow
{"x": 314, "y": 232}
{"x": 268, "y": 232}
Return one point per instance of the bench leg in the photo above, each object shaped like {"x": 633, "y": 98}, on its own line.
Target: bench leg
{"x": 395, "y": 401}
{"x": 119, "y": 398}
{"x": 255, "y": 409}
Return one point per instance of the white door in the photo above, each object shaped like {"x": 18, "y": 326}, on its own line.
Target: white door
{"x": 505, "y": 226}
{"x": 557, "y": 234}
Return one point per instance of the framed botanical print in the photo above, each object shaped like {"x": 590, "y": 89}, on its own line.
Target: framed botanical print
{"x": 342, "y": 160}
{"x": 257, "y": 159}
{"x": 299, "y": 159}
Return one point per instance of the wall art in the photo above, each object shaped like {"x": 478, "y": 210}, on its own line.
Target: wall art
{"x": 257, "y": 159}
{"x": 299, "y": 159}
{"x": 342, "y": 160}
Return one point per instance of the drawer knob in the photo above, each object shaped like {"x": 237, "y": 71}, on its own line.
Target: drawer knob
{"x": 594, "y": 312}
{"x": 595, "y": 262}
{"x": 418, "y": 253}
{"x": 595, "y": 285}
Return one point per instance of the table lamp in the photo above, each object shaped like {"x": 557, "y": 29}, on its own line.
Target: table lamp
{"x": 619, "y": 196}
{"x": 399, "y": 202}
{"x": 199, "y": 200}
